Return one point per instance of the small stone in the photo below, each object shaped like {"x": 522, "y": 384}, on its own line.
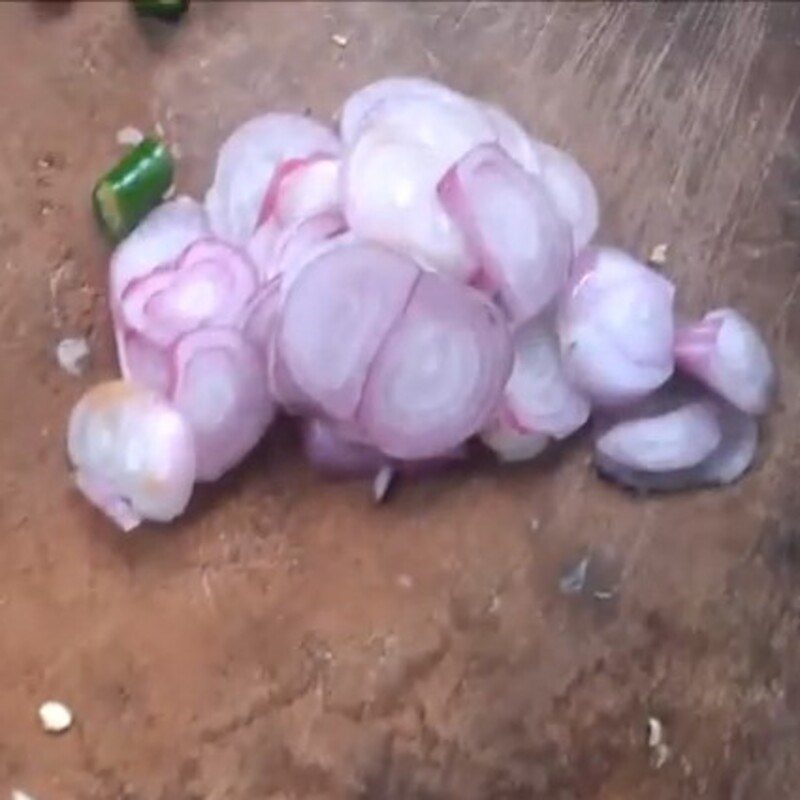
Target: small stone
{"x": 55, "y": 717}
{"x": 18, "y": 794}
{"x": 382, "y": 483}
{"x": 658, "y": 255}
{"x": 339, "y": 39}
{"x": 73, "y": 355}
{"x": 129, "y": 136}
{"x": 573, "y": 580}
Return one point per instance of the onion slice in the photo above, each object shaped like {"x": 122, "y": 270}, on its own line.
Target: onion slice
{"x": 365, "y": 106}
{"x": 510, "y": 444}
{"x": 133, "y": 454}
{"x": 572, "y": 191}
{"x": 727, "y": 354}
{"x": 331, "y": 453}
{"x": 157, "y": 240}
{"x": 389, "y": 196}
{"x": 220, "y": 386}
{"x": 210, "y": 284}
{"x": 335, "y": 317}
{"x": 247, "y": 163}
{"x": 439, "y": 374}
{"x": 538, "y": 395}
{"x": 615, "y": 327}
{"x": 521, "y": 243}
{"x": 732, "y": 457}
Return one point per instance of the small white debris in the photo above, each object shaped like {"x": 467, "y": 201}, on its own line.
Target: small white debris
{"x": 656, "y": 743}
{"x": 573, "y": 580}
{"x": 18, "y": 794}
{"x": 73, "y": 355}
{"x": 658, "y": 255}
{"x": 382, "y": 483}
{"x": 340, "y": 40}
{"x": 535, "y": 523}
{"x": 170, "y": 193}
{"x": 129, "y": 136}
{"x": 55, "y": 717}
{"x": 159, "y": 130}
{"x": 405, "y": 581}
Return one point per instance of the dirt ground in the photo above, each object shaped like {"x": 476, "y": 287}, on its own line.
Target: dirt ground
{"x": 287, "y": 639}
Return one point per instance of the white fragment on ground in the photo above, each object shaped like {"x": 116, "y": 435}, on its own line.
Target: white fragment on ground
{"x": 159, "y": 130}
{"x": 534, "y": 524}
{"x": 339, "y": 39}
{"x": 658, "y": 255}
{"x": 660, "y": 751}
{"x": 382, "y": 483}
{"x": 73, "y": 355}
{"x": 405, "y": 581}
{"x": 18, "y": 794}
{"x": 176, "y": 150}
{"x": 574, "y": 579}
{"x": 170, "y": 193}
{"x": 55, "y": 717}
{"x": 129, "y": 136}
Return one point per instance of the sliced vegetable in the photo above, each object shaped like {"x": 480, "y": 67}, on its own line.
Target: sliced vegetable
{"x": 133, "y": 454}
{"x": 538, "y": 396}
{"x": 220, "y": 387}
{"x": 727, "y": 353}
{"x": 335, "y": 318}
{"x": 210, "y": 284}
{"x": 161, "y": 9}
{"x": 615, "y": 327}
{"x": 439, "y": 374}
{"x": 522, "y": 246}
{"x": 133, "y": 187}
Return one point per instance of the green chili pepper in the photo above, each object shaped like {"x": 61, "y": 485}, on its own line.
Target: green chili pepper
{"x": 133, "y": 187}
{"x": 163, "y": 9}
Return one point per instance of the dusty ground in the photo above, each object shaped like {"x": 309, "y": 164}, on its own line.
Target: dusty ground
{"x": 287, "y": 639}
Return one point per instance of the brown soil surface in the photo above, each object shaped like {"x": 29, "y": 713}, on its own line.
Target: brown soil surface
{"x": 289, "y": 640}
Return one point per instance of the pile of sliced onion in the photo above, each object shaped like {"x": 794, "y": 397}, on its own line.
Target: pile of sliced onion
{"x": 422, "y": 277}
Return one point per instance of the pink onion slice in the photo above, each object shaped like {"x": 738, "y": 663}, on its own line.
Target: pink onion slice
{"x": 389, "y": 196}
{"x": 133, "y": 454}
{"x": 328, "y": 451}
{"x": 510, "y": 444}
{"x": 220, "y": 387}
{"x": 302, "y": 188}
{"x": 209, "y": 285}
{"x": 522, "y": 244}
{"x": 261, "y": 318}
{"x": 731, "y": 458}
{"x": 246, "y": 166}
{"x": 146, "y": 364}
{"x": 335, "y": 317}
{"x": 615, "y": 327}
{"x": 361, "y": 108}
{"x": 302, "y": 242}
{"x": 572, "y": 191}
{"x": 727, "y": 354}
{"x": 538, "y": 396}
{"x": 440, "y": 372}
{"x": 672, "y": 439}
{"x": 158, "y": 239}
{"x": 513, "y": 138}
